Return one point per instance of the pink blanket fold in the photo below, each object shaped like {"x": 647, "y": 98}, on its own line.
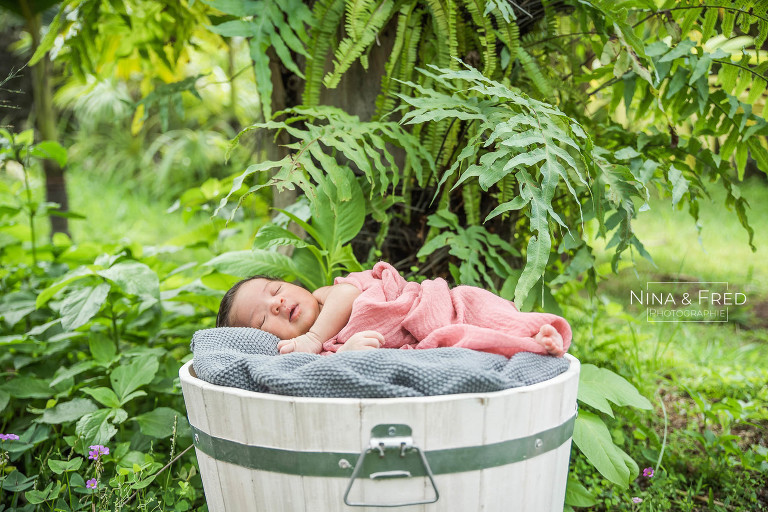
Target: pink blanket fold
{"x": 430, "y": 315}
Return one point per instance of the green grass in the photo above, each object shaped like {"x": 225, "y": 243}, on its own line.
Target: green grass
{"x": 711, "y": 377}
{"x": 114, "y": 215}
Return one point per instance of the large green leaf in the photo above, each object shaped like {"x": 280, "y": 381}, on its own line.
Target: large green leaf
{"x": 66, "y": 412}
{"x": 158, "y": 423}
{"x": 95, "y": 427}
{"x": 105, "y": 396}
{"x": 598, "y": 386}
{"x": 27, "y": 387}
{"x": 102, "y": 348}
{"x": 576, "y": 495}
{"x": 248, "y": 263}
{"x": 82, "y": 305}
{"x": 338, "y": 221}
{"x": 126, "y": 379}
{"x": 70, "y": 277}
{"x": 133, "y": 278}
{"x": 594, "y": 440}
{"x": 65, "y": 466}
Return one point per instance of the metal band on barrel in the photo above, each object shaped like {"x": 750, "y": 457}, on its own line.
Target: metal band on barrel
{"x": 331, "y": 464}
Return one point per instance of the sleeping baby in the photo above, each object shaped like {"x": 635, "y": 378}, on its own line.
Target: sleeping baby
{"x": 378, "y": 308}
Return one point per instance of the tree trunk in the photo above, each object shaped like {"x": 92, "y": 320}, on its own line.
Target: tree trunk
{"x": 45, "y": 122}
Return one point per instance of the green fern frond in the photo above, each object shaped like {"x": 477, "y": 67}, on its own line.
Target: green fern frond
{"x": 762, "y": 33}
{"x": 689, "y": 19}
{"x": 385, "y": 100}
{"x": 326, "y": 15}
{"x": 745, "y": 77}
{"x": 411, "y": 45}
{"x": 364, "y": 21}
{"x": 756, "y": 90}
{"x": 501, "y": 7}
{"x": 534, "y": 73}
{"x": 470, "y": 193}
{"x": 272, "y": 28}
{"x": 509, "y": 33}
{"x": 728, "y": 76}
{"x": 485, "y": 33}
{"x": 506, "y": 191}
{"x": 708, "y": 28}
{"x": 443, "y": 14}
{"x": 726, "y": 25}
{"x": 551, "y": 19}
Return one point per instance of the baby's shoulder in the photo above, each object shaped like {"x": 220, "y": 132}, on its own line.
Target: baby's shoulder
{"x": 321, "y": 294}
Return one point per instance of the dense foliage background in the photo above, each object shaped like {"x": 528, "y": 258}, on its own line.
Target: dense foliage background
{"x": 531, "y": 148}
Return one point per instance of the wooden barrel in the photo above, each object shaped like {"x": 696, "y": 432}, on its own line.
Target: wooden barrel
{"x": 501, "y": 451}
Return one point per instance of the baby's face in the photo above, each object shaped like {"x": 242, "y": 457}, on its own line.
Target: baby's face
{"x": 283, "y": 309}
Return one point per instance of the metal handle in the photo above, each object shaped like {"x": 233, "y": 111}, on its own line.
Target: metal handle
{"x": 390, "y": 442}
{"x": 390, "y": 474}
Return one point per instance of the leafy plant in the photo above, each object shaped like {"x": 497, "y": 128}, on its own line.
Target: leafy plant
{"x": 335, "y": 198}
{"x": 18, "y": 152}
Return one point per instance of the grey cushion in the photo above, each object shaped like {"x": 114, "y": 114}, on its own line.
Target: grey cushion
{"x": 247, "y": 358}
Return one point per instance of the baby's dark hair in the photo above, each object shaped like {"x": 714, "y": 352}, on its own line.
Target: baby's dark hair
{"x": 225, "y": 308}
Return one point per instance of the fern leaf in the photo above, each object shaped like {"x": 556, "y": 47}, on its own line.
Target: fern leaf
{"x": 471, "y": 195}
{"x": 509, "y": 33}
{"x": 486, "y": 35}
{"x": 756, "y": 91}
{"x": 299, "y": 17}
{"x": 540, "y": 244}
{"x": 506, "y": 188}
{"x": 728, "y": 76}
{"x": 762, "y": 32}
{"x": 411, "y": 51}
{"x": 371, "y": 16}
{"x": 742, "y": 150}
{"x": 444, "y": 30}
{"x": 690, "y": 18}
{"x": 326, "y": 15}
{"x": 708, "y": 28}
{"x": 385, "y": 99}
{"x": 291, "y": 32}
{"x": 502, "y": 8}
{"x": 534, "y": 73}
{"x": 726, "y": 25}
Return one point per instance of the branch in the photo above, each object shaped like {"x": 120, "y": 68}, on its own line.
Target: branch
{"x": 606, "y": 84}
{"x": 591, "y": 32}
{"x": 758, "y": 75}
{"x": 666, "y": 11}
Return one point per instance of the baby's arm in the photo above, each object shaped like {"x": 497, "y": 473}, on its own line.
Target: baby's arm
{"x": 363, "y": 340}
{"x": 336, "y": 307}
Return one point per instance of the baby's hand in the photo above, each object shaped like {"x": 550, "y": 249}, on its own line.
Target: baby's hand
{"x": 363, "y": 340}
{"x": 305, "y": 343}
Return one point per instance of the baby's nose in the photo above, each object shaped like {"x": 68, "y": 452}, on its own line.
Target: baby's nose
{"x": 277, "y": 304}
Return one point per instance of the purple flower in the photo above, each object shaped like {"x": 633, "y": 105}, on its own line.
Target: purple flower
{"x": 9, "y": 437}
{"x": 91, "y": 484}
{"x": 96, "y": 451}
{"x": 648, "y": 472}
{"x": 637, "y": 500}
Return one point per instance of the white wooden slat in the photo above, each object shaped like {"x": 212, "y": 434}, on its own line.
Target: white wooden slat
{"x": 326, "y": 425}
{"x": 226, "y": 421}
{"x": 455, "y": 422}
{"x": 192, "y": 388}
{"x": 269, "y": 421}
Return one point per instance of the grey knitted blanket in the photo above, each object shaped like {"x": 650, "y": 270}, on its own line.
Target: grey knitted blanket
{"x": 247, "y": 358}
